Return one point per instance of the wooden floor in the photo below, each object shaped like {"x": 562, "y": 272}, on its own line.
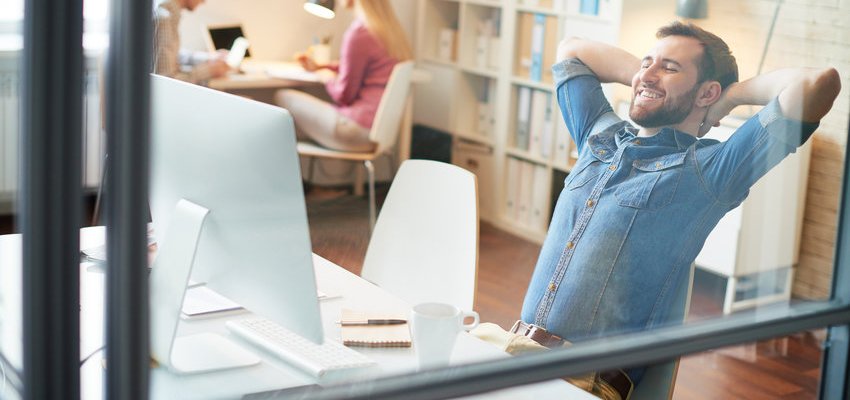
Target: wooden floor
{"x": 785, "y": 368}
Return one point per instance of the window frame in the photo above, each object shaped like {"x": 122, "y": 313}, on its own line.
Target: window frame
{"x": 50, "y": 196}
{"x": 128, "y": 378}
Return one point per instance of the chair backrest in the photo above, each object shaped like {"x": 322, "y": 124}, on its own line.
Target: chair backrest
{"x": 658, "y": 380}
{"x": 385, "y": 126}
{"x": 425, "y": 244}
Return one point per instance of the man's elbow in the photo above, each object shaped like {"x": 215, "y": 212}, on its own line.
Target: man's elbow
{"x": 828, "y": 83}
{"x": 569, "y": 48}
{"x": 823, "y": 88}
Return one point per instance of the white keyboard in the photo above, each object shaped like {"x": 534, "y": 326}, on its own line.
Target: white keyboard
{"x": 315, "y": 359}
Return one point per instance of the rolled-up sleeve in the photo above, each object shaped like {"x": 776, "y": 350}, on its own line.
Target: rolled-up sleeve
{"x": 353, "y": 62}
{"x": 581, "y": 100}
{"x": 763, "y": 141}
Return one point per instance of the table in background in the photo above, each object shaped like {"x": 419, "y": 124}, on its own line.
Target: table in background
{"x": 261, "y": 79}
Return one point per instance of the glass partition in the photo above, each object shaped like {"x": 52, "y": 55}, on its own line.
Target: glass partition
{"x": 11, "y": 297}
{"x": 695, "y": 270}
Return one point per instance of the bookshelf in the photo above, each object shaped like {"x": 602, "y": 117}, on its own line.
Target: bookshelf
{"x": 491, "y": 89}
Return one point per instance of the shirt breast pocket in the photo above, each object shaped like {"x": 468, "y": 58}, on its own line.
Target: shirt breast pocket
{"x": 652, "y": 183}
{"x": 584, "y": 171}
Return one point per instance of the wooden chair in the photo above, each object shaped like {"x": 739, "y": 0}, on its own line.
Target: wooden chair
{"x": 384, "y": 132}
{"x": 424, "y": 247}
{"x": 659, "y": 380}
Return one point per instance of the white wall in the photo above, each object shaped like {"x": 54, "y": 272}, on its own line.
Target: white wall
{"x": 277, "y": 28}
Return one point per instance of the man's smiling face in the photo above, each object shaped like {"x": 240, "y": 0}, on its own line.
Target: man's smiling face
{"x": 665, "y": 87}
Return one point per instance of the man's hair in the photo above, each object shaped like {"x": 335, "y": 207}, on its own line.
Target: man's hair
{"x": 717, "y": 63}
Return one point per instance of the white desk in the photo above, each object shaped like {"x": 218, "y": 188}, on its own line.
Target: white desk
{"x": 266, "y": 75}
{"x": 273, "y": 374}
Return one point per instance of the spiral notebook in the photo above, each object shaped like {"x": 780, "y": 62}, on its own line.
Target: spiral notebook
{"x": 366, "y": 335}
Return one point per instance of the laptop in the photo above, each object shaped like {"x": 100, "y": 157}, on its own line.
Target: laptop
{"x": 223, "y": 36}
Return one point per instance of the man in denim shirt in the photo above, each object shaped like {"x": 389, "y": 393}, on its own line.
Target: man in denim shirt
{"x": 641, "y": 200}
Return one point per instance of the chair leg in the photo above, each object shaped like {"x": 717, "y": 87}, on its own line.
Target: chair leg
{"x": 370, "y": 169}
{"x": 358, "y": 181}
{"x": 310, "y": 167}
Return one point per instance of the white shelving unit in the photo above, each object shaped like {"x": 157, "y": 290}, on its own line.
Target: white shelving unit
{"x": 479, "y": 55}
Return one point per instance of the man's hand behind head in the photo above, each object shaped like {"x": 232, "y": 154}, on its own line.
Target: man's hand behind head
{"x": 716, "y": 111}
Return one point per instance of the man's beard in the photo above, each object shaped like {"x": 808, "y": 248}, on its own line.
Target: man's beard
{"x": 672, "y": 112}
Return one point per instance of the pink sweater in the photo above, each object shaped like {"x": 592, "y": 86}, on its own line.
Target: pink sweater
{"x": 364, "y": 69}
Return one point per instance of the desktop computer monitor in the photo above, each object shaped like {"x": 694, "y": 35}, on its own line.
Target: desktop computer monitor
{"x": 236, "y": 157}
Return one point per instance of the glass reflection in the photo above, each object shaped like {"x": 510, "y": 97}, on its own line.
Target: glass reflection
{"x": 784, "y": 367}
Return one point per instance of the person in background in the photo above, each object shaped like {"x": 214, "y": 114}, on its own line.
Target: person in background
{"x": 642, "y": 198}
{"x": 371, "y": 47}
{"x": 169, "y": 60}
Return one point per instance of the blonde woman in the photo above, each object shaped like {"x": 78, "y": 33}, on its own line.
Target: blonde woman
{"x": 371, "y": 46}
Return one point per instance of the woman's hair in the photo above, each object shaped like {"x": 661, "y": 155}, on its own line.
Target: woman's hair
{"x": 382, "y": 22}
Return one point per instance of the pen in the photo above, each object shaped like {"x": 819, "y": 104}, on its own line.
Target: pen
{"x": 374, "y": 322}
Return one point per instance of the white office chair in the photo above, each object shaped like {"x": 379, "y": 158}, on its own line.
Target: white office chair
{"x": 425, "y": 244}
{"x": 384, "y": 132}
{"x": 659, "y": 380}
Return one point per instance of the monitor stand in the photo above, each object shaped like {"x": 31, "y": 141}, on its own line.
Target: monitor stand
{"x": 168, "y": 279}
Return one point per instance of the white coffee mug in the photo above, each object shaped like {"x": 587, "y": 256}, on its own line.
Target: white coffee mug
{"x": 435, "y": 327}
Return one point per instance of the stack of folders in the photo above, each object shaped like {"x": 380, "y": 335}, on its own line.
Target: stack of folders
{"x": 362, "y": 329}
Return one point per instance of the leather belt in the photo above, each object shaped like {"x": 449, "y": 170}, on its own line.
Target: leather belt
{"x": 617, "y": 379}
{"x": 538, "y": 335}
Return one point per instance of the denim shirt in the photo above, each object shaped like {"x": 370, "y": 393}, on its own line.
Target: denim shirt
{"x": 635, "y": 211}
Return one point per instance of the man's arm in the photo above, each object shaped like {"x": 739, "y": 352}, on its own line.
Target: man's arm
{"x": 805, "y": 94}
{"x": 609, "y": 63}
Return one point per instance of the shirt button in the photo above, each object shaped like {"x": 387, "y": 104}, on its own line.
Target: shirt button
{"x": 590, "y": 203}
{"x": 551, "y": 286}
{"x": 570, "y": 245}
{"x": 613, "y": 167}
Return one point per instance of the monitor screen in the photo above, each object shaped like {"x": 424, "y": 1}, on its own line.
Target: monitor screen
{"x": 222, "y": 37}
{"x": 236, "y": 157}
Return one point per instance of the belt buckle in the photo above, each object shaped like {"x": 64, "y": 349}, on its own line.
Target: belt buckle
{"x": 517, "y": 325}
{"x": 533, "y": 332}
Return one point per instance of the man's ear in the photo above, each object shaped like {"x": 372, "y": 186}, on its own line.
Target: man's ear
{"x": 708, "y": 93}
